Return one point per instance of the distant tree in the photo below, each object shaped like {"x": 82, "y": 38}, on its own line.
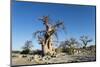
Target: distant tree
{"x": 69, "y": 45}
{"x": 27, "y": 47}
{"x": 62, "y": 44}
{"x": 71, "y": 42}
{"x": 85, "y": 40}
{"x": 61, "y": 47}
{"x": 15, "y": 51}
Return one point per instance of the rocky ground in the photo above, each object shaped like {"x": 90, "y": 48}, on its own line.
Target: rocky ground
{"x": 19, "y": 59}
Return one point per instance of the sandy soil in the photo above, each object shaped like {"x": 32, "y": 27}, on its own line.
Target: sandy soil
{"x": 64, "y": 58}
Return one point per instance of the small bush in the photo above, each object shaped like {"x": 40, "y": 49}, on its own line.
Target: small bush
{"x": 70, "y": 51}
{"x": 25, "y": 51}
{"x": 39, "y": 52}
{"x": 24, "y": 56}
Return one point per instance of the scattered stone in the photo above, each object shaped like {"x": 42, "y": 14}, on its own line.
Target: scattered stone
{"x": 30, "y": 59}
{"x": 47, "y": 57}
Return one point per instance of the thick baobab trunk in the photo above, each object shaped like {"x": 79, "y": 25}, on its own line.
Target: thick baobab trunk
{"x": 46, "y": 38}
{"x": 47, "y": 48}
{"x": 50, "y": 46}
{"x": 44, "y": 49}
{"x": 46, "y": 45}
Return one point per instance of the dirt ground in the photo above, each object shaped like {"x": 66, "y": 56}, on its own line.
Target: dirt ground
{"x": 61, "y": 58}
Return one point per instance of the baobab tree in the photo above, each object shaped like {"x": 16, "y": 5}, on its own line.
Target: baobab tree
{"x": 45, "y": 37}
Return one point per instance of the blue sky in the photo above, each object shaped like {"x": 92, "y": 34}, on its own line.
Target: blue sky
{"x": 78, "y": 20}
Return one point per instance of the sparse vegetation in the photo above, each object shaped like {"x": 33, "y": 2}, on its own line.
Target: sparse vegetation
{"x": 69, "y": 46}
{"x": 27, "y": 47}
{"x": 85, "y": 40}
{"x": 70, "y": 50}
